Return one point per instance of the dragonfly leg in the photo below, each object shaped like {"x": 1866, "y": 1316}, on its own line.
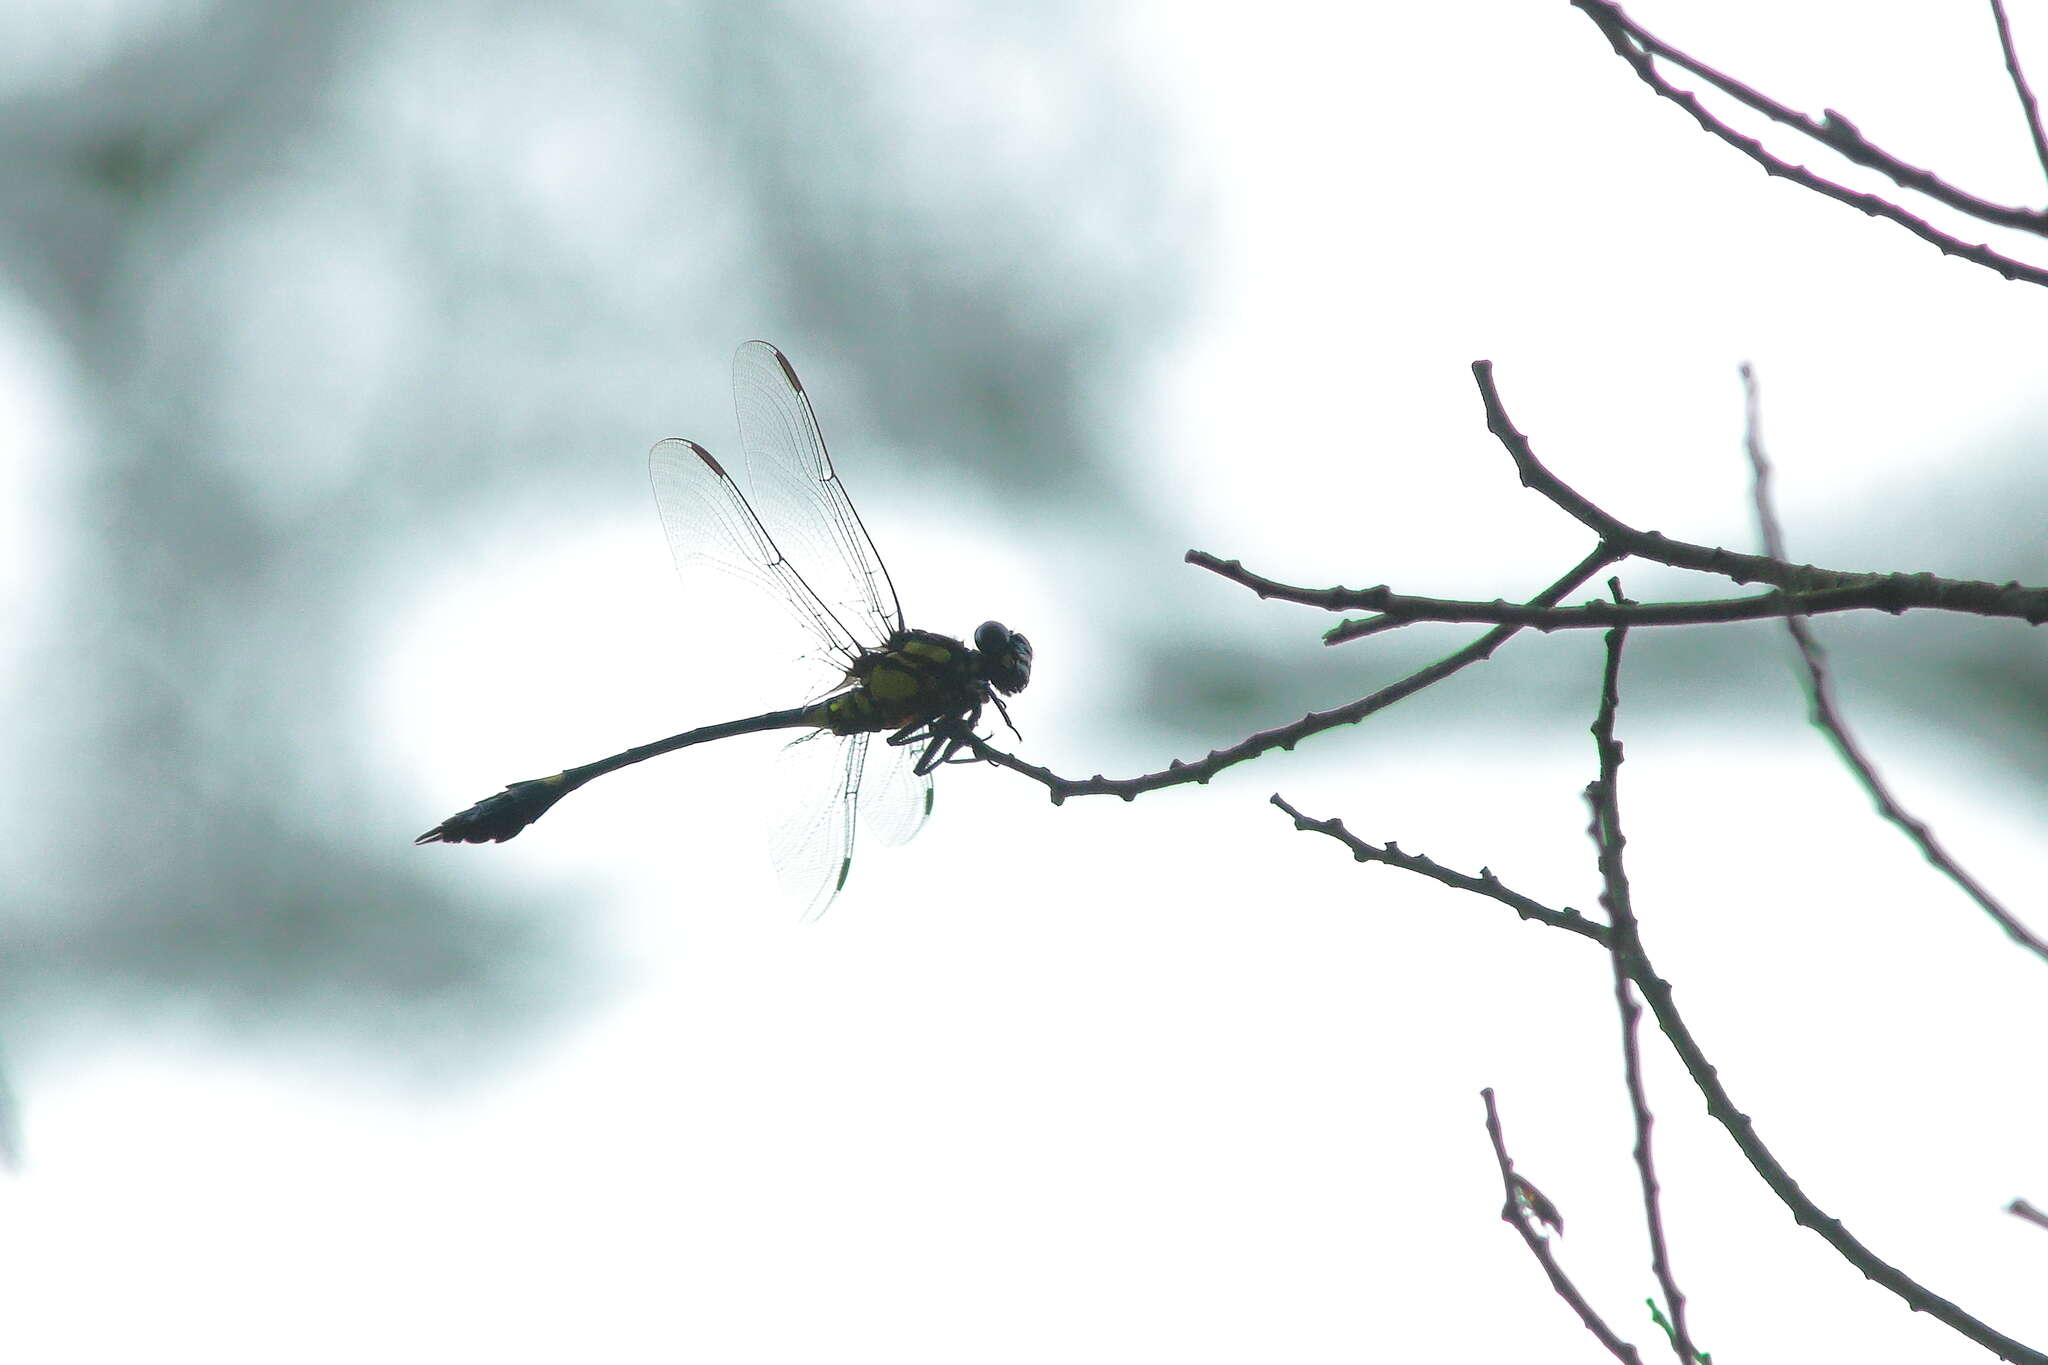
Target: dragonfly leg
{"x": 944, "y": 739}
{"x": 929, "y": 734}
{"x": 1004, "y": 711}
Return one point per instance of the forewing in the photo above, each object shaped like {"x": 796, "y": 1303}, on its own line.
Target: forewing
{"x": 709, "y": 524}
{"x": 799, "y": 495}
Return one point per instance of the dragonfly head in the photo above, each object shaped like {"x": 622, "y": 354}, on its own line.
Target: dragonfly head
{"x": 1005, "y": 656}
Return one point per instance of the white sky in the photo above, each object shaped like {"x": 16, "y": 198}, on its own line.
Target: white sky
{"x": 1169, "y": 1080}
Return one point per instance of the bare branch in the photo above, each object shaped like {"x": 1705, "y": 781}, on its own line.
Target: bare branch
{"x": 1892, "y": 593}
{"x": 1827, "y": 716}
{"x": 1657, "y": 995}
{"x": 1485, "y": 884}
{"x": 1287, "y": 736}
{"x": 1837, "y": 133}
{"x": 1720, "y": 1105}
{"x": 1651, "y": 545}
{"x": 1617, "y": 540}
{"x": 1625, "y": 951}
{"x": 2019, "y": 83}
{"x": 1511, "y": 1213}
{"x": 1641, "y": 50}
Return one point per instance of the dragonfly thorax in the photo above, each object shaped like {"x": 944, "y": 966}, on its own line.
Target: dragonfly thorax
{"x": 921, "y": 677}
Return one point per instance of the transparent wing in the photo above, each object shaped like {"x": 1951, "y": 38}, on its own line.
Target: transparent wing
{"x": 797, "y": 493}
{"x": 894, "y": 800}
{"x": 812, "y": 844}
{"x": 709, "y": 524}
{"x": 832, "y": 786}
{"x": 820, "y": 567}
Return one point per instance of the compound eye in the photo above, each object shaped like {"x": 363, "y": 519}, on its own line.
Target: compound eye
{"x": 1010, "y": 670}
{"x": 992, "y": 637}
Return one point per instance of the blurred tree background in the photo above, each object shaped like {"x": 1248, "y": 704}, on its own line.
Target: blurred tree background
{"x": 336, "y": 293}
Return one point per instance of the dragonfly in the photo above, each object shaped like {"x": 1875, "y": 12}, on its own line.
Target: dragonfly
{"x": 799, "y": 543}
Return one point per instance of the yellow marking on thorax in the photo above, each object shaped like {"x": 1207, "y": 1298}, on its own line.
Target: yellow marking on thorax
{"x": 896, "y": 689}
{"x": 891, "y": 682}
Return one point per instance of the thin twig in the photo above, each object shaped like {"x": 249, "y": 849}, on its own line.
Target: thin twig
{"x": 1640, "y": 49}
{"x": 1651, "y": 545}
{"x": 1892, "y": 593}
{"x": 1539, "y": 1245}
{"x": 1834, "y": 131}
{"x": 1828, "y": 717}
{"x": 2020, "y": 1208}
{"x": 1722, "y": 1108}
{"x": 1315, "y": 722}
{"x": 1485, "y": 884}
{"x": 2019, "y": 83}
{"x": 1624, "y": 951}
